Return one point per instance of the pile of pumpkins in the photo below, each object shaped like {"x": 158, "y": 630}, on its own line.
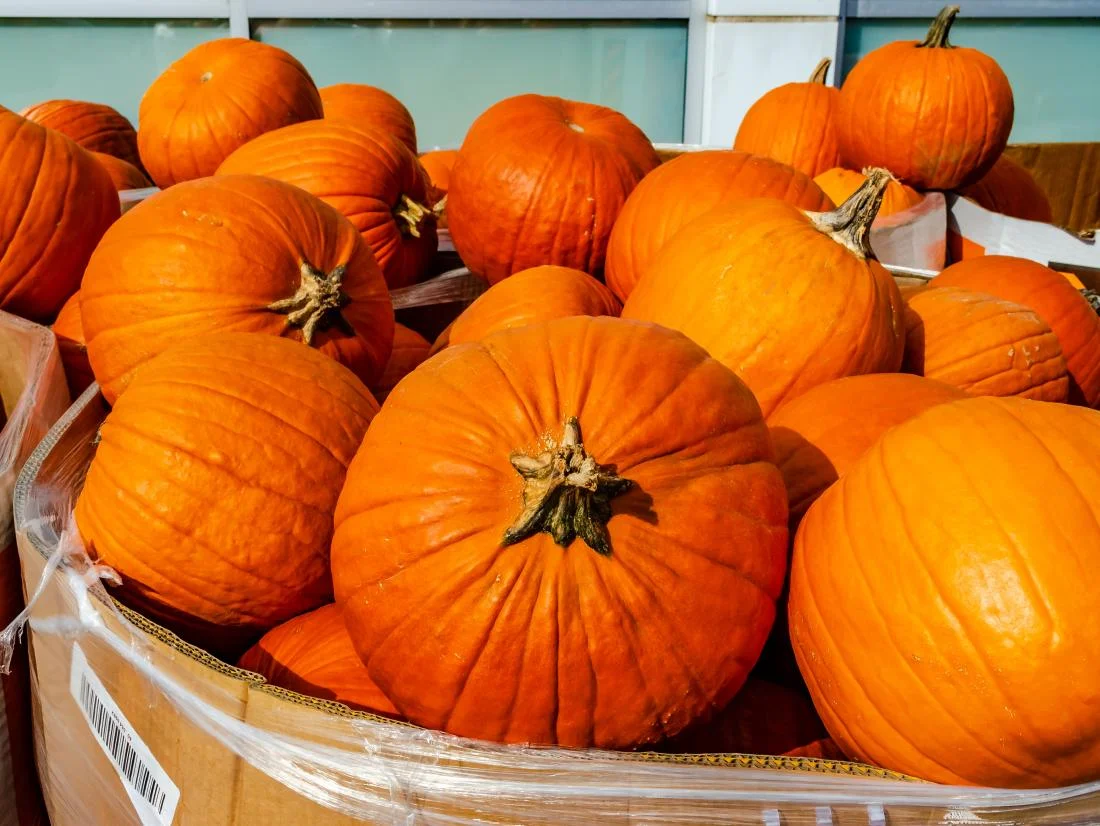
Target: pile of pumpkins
{"x": 663, "y": 486}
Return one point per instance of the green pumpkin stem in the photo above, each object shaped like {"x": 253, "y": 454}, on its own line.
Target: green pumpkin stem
{"x": 317, "y": 303}
{"x": 821, "y": 72}
{"x": 940, "y": 29}
{"x": 410, "y": 215}
{"x": 850, "y": 223}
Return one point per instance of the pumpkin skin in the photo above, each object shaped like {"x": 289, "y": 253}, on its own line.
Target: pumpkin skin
{"x": 821, "y": 306}
{"x": 683, "y": 190}
{"x": 94, "y": 126}
{"x": 537, "y": 294}
{"x": 942, "y": 595}
{"x": 123, "y": 175}
{"x": 541, "y": 180}
{"x": 409, "y": 350}
{"x": 910, "y": 107}
{"x": 369, "y": 107}
{"x": 438, "y": 165}
{"x": 313, "y": 655}
{"x": 793, "y": 124}
{"x": 57, "y": 204}
{"x": 227, "y": 254}
{"x": 219, "y": 525}
{"x": 691, "y": 560}
{"x": 984, "y": 345}
{"x": 1049, "y": 294}
{"x": 72, "y": 347}
{"x": 217, "y": 97}
{"x": 1010, "y": 189}
{"x": 368, "y": 176}
{"x": 839, "y": 184}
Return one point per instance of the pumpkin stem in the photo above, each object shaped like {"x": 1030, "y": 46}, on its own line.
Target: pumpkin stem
{"x": 940, "y": 28}
{"x": 821, "y": 71}
{"x": 566, "y": 494}
{"x": 850, "y": 223}
{"x": 440, "y": 207}
{"x": 317, "y": 303}
{"x": 1093, "y": 298}
{"x": 411, "y": 215}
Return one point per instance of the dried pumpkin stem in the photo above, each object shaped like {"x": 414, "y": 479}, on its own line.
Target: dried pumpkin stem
{"x": 440, "y": 207}
{"x": 940, "y": 29}
{"x": 410, "y": 215}
{"x": 566, "y": 494}
{"x": 850, "y": 223}
{"x": 821, "y": 72}
{"x": 1093, "y": 298}
{"x": 317, "y": 303}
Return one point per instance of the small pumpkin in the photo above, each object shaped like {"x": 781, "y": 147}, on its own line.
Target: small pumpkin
{"x": 219, "y": 524}
{"x": 409, "y": 350}
{"x": 984, "y": 345}
{"x": 1010, "y": 189}
{"x": 786, "y": 299}
{"x": 839, "y": 184}
{"x": 72, "y": 347}
{"x": 824, "y": 749}
{"x": 94, "y": 126}
{"x": 683, "y": 190}
{"x": 541, "y": 180}
{"x": 124, "y": 175}
{"x": 57, "y": 204}
{"x": 312, "y": 654}
{"x": 217, "y": 97}
{"x": 438, "y": 165}
{"x": 793, "y": 124}
{"x": 569, "y": 555}
{"x": 367, "y": 175}
{"x": 233, "y": 253}
{"x": 1069, "y": 314}
{"x": 369, "y": 107}
{"x": 936, "y": 115}
{"x": 943, "y": 597}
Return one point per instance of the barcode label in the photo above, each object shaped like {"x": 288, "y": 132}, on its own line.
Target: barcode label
{"x": 149, "y": 788}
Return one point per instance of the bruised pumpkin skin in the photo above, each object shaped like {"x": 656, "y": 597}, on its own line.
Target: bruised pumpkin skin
{"x": 839, "y": 184}
{"x": 658, "y": 599}
{"x": 684, "y": 189}
{"x": 235, "y": 253}
{"x": 94, "y": 126}
{"x": 369, "y": 107}
{"x": 943, "y": 597}
{"x": 1010, "y": 189}
{"x": 123, "y": 175}
{"x": 409, "y": 350}
{"x": 72, "y": 347}
{"x": 219, "y": 524}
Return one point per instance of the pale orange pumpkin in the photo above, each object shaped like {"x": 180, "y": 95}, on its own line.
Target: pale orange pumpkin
{"x": 124, "y": 175}
{"x": 839, "y": 184}
{"x": 369, "y": 107}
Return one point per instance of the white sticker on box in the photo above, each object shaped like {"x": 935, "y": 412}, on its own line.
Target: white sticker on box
{"x": 149, "y": 787}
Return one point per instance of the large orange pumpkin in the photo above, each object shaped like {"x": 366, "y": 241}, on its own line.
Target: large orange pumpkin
{"x": 409, "y": 350}
{"x": 1010, "y": 189}
{"x": 541, "y": 180}
{"x": 934, "y": 114}
{"x": 786, "y": 299}
{"x": 839, "y": 184}
{"x": 1048, "y": 293}
{"x": 124, "y": 175}
{"x": 213, "y": 487}
{"x": 367, "y": 175}
{"x": 94, "y": 126}
{"x": 943, "y": 597}
{"x": 72, "y": 347}
{"x": 533, "y": 545}
{"x": 57, "y": 203}
{"x": 313, "y": 655}
{"x": 218, "y": 96}
{"x": 369, "y": 107}
{"x": 793, "y": 124}
{"x": 686, "y": 188}
{"x": 234, "y": 253}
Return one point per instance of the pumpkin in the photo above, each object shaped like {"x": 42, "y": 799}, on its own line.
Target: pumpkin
{"x": 124, "y": 175}
{"x": 533, "y": 545}
{"x": 934, "y": 114}
{"x": 367, "y": 175}
{"x": 438, "y": 166}
{"x": 537, "y": 294}
{"x": 72, "y": 347}
{"x": 312, "y": 654}
{"x": 219, "y": 524}
{"x": 943, "y": 597}
{"x": 839, "y": 184}
{"x": 409, "y": 350}
{"x": 235, "y": 253}
{"x": 541, "y": 180}
{"x": 824, "y": 749}
{"x": 57, "y": 204}
{"x": 94, "y": 126}
{"x": 683, "y": 190}
{"x": 821, "y": 433}
{"x": 1049, "y": 294}
{"x": 793, "y": 124}
{"x": 786, "y": 299}
{"x": 1010, "y": 189}
{"x": 984, "y": 345}
{"x": 217, "y": 97}
{"x": 370, "y": 107}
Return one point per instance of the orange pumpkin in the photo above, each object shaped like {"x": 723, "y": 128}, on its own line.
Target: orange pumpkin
{"x": 124, "y": 175}
{"x": 793, "y": 124}
{"x": 94, "y": 126}
{"x": 541, "y": 180}
{"x": 983, "y": 345}
{"x": 820, "y": 434}
{"x": 234, "y": 253}
{"x": 409, "y": 350}
{"x": 57, "y": 204}
{"x": 582, "y": 557}
{"x": 219, "y": 524}
{"x": 312, "y": 654}
{"x": 369, "y": 107}
{"x": 839, "y": 184}
{"x": 786, "y": 299}
{"x": 824, "y": 749}
{"x": 367, "y": 175}
{"x": 683, "y": 190}
{"x": 943, "y": 597}
{"x": 217, "y": 97}
{"x": 934, "y": 114}
{"x": 72, "y": 347}
{"x": 1010, "y": 189}
{"x": 1049, "y": 294}
{"x": 438, "y": 165}
{"x": 537, "y": 294}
